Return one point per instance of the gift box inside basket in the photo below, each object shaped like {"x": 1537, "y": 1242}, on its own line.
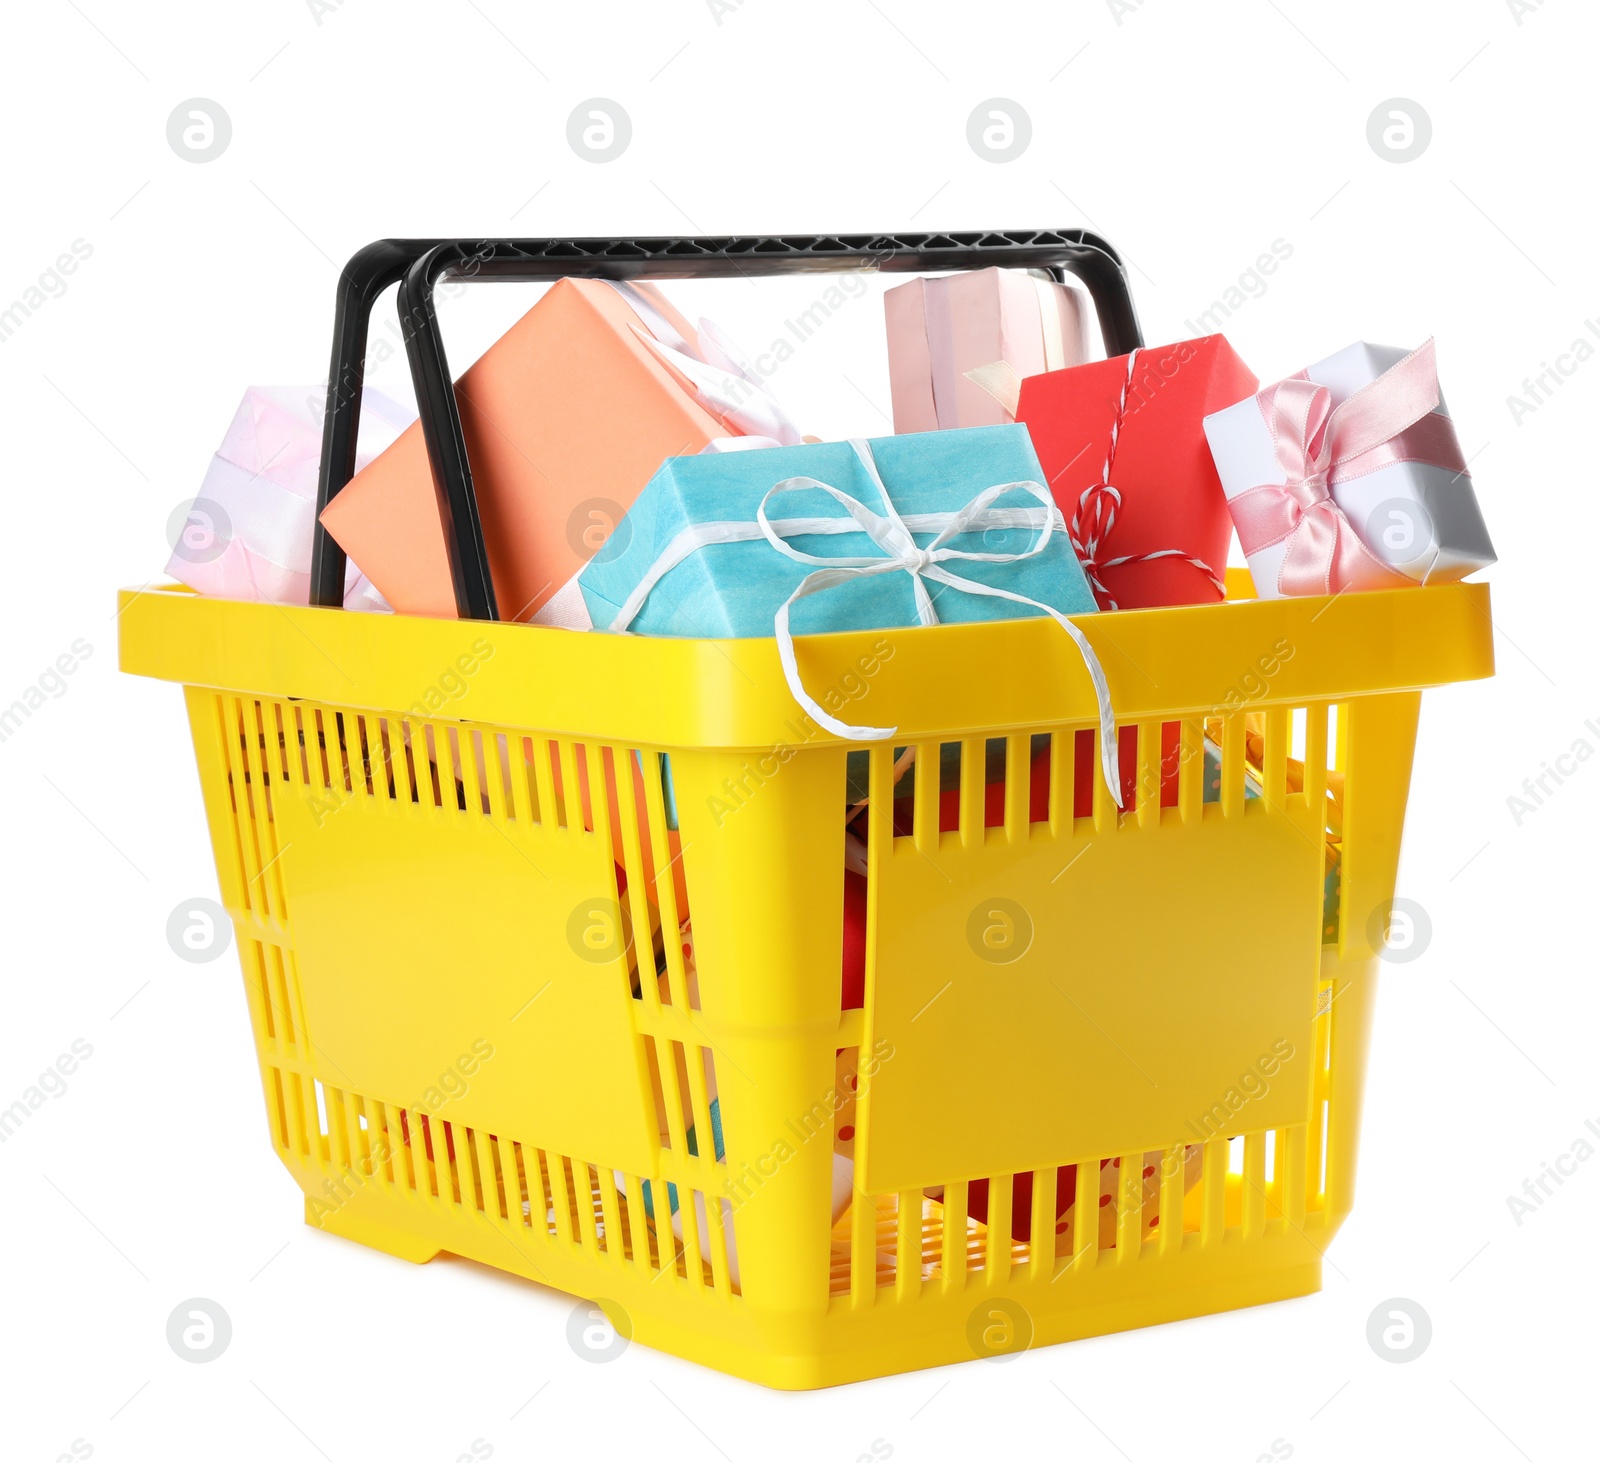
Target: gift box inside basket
{"x": 690, "y": 558}
{"x": 940, "y": 329}
{"x": 1349, "y": 475}
{"x": 1124, "y": 453}
{"x": 540, "y": 414}
{"x": 594, "y": 962}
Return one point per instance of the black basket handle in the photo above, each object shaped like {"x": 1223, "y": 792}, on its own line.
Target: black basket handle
{"x": 420, "y": 264}
{"x": 368, "y": 274}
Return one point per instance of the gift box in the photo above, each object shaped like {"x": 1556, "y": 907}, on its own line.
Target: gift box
{"x": 1192, "y": 1164}
{"x": 1039, "y": 783}
{"x": 857, "y": 534}
{"x": 1331, "y": 888}
{"x": 690, "y": 558}
{"x": 249, "y": 532}
{"x": 1350, "y": 476}
{"x": 1124, "y": 453}
{"x": 565, "y": 418}
{"x": 843, "y": 1162}
{"x": 941, "y": 328}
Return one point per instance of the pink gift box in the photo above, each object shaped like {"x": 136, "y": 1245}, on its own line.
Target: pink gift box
{"x": 941, "y": 328}
{"x": 248, "y": 532}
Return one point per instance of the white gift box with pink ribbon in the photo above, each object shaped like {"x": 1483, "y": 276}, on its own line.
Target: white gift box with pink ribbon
{"x": 1349, "y": 475}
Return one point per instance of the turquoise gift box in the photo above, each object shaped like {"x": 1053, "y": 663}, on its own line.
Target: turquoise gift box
{"x": 733, "y": 590}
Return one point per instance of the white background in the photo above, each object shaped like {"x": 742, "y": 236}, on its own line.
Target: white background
{"x": 1193, "y": 136}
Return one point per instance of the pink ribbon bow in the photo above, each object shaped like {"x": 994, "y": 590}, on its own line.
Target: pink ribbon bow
{"x": 1319, "y": 445}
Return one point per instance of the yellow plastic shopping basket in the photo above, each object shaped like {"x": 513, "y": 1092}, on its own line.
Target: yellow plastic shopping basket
{"x": 494, "y": 993}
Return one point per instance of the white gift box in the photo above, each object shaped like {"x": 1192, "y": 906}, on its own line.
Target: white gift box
{"x": 1418, "y": 518}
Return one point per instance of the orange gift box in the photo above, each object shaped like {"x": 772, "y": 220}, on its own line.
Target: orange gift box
{"x": 566, "y": 417}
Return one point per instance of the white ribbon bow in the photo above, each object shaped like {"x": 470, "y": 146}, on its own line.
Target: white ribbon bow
{"x": 891, "y": 532}
{"x": 726, "y": 381}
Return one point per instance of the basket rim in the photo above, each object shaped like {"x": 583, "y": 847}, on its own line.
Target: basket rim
{"x": 940, "y": 682}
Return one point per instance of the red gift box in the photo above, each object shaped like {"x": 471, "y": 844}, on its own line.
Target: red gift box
{"x": 1084, "y": 768}
{"x": 1168, "y": 499}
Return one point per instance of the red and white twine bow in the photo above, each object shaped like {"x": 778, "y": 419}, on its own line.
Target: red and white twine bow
{"x": 1096, "y": 515}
